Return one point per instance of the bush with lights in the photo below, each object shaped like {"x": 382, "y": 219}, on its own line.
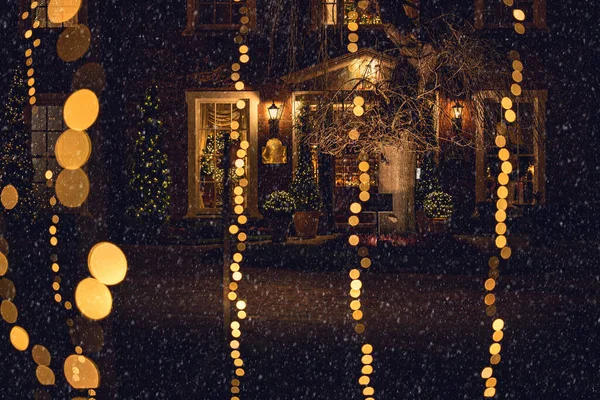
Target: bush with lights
{"x": 279, "y": 204}
{"x": 16, "y": 165}
{"x": 150, "y": 178}
{"x": 429, "y": 180}
{"x": 438, "y": 205}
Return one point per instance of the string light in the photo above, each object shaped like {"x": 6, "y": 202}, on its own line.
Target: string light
{"x": 236, "y": 228}
{"x": 501, "y": 240}
{"x": 356, "y": 284}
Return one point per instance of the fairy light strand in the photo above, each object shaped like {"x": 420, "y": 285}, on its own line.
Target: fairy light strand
{"x": 239, "y": 199}
{"x": 356, "y": 284}
{"x": 501, "y": 242}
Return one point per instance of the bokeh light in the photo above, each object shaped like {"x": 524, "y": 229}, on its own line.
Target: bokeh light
{"x": 72, "y": 187}
{"x": 93, "y": 299}
{"x": 19, "y": 338}
{"x": 81, "y": 372}
{"x": 73, "y": 149}
{"x": 60, "y": 11}
{"x": 81, "y": 110}
{"x": 73, "y": 43}
{"x": 107, "y": 263}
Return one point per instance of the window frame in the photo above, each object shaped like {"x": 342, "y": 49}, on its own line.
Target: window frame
{"x": 194, "y": 99}
{"x": 40, "y": 188}
{"x": 192, "y": 27}
{"x": 319, "y": 14}
{"x": 538, "y": 21}
{"x": 538, "y": 99}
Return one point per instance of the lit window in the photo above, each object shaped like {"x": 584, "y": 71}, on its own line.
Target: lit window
{"x": 219, "y": 14}
{"x": 496, "y": 14}
{"x": 41, "y": 14}
{"x": 524, "y": 154}
{"x": 329, "y": 9}
{"x": 215, "y": 126}
{"x": 46, "y": 126}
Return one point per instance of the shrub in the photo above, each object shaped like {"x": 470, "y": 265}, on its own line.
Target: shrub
{"x": 438, "y": 205}
{"x": 279, "y": 204}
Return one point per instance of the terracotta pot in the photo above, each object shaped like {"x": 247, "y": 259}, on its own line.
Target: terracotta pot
{"x": 279, "y": 228}
{"x": 306, "y": 224}
{"x": 437, "y": 226}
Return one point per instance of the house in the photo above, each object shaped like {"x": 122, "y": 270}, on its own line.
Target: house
{"x": 296, "y": 51}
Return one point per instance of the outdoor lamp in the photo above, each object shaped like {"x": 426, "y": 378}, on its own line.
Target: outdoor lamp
{"x": 457, "y": 110}
{"x": 273, "y": 112}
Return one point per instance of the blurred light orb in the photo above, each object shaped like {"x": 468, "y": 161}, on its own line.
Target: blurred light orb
{"x": 93, "y": 299}
{"x": 87, "y": 376}
{"x": 72, "y": 187}
{"x": 81, "y": 110}
{"x": 73, "y": 149}
{"x": 45, "y": 375}
{"x": 3, "y": 264}
{"x": 9, "y": 197}
{"x": 19, "y": 338}
{"x": 41, "y": 355}
{"x": 73, "y": 43}
{"x": 9, "y": 311}
{"x": 60, "y": 11}
{"x": 107, "y": 263}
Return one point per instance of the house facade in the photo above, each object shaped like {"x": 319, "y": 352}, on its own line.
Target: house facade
{"x": 296, "y": 54}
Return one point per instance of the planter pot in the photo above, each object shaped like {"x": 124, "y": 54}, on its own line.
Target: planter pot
{"x": 306, "y": 224}
{"x": 279, "y": 228}
{"x": 437, "y": 226}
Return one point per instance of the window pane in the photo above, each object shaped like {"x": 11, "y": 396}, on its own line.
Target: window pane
{"x": 38, "y": 119}
{"x": 38, "y": 143}
{"x": 52, "y": 138}
{"x": 223, "y": 15}
{"x": 55, "y": 120}
{"x": 206, "y": 14}
{"x": 39, "y": 166}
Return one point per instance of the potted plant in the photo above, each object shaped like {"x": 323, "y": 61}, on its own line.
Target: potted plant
{"x": 427, "y": 182}
{"x": 304, "y": 187}
{"x": 279, "y": 208}
{"x": 438, "y": 208}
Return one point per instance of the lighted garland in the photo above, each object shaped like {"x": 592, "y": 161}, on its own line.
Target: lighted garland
{"x": 501, "y": 205}
{"x": 236, "y": 228}
{"x": 356, "y": 284}
{"x": 106, "y": 262}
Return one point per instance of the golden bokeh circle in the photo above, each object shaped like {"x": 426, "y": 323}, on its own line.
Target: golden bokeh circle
{"x": 3, "y": 264}
{"x": 73, "y": 149}
{"x": 9, "y": 197}
{"x": 352, "y": 47}
{"x": 45, "y": 375}
{"x": 364, "y": 196}
{"x": 486, "y": 372}
{"x": 502, "y": 192}
{"x": 355, "y": 208}
{"x": 519, "y": 15}
{"x": 510, "y": 116}
{"x": 60, "y": 11}
{"x": 73, "y": 43}
{"x": 41, "y": 355}
{"x": 503, "y": 154}
{"x": 107, "y": 263}
{"x": 81, "y": 372}
{"x": 81, "y": 110}
{"x": 498, "y": 325}
{"x": 72, "y": 187}
{"x": 353, "y": 134}
{"x": 93, "y": 299}
{"x": 9, "y": 311}
{"x": 506, "y": 103}
{"x": 19, "y": 338}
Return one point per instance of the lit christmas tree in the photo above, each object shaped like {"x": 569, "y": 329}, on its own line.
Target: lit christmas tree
{"x": 16, "y": 165}
{"x": 429, "y": 181}
{"x": 304, "y": 186}
{"x": 150, "y": 181}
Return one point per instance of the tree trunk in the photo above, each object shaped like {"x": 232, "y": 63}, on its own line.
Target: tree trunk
{"x": 397, "y": 175}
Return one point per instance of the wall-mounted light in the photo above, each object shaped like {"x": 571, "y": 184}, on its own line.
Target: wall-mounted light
{"x": 274, "y": 112}
{"x": 457, "y": 110}
{"x": 274, "y": 152}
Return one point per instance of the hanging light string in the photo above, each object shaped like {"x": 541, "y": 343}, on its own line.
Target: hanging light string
{"x": 19, "y": 337}
{"x": 239, "y": 199}
{"x": 509, "y": 117}
{"x": 356, "y": 285}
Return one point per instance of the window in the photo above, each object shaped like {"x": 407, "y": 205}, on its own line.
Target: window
{"x": 526, "y": 143}
{"x": 347, "y": 173}
{"x": 219, "y": 14}
{"x": 213, "y": 117}
{"x": 216, "y": 123}
{"x": 495, "y": 14}
{"x": 41, "y": 14}
{"x": 330, "y": 12}
{"x": 46, "y": 126}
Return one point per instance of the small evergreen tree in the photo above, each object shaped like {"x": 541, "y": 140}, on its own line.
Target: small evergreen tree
{"x": 304, "y": 187}
{"x": 16, "y": 164}
{"x": 429, "y": 182}
{"x": 150, "y": 180}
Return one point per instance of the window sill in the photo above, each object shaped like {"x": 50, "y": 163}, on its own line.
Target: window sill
{"x": 189, "y": 31}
